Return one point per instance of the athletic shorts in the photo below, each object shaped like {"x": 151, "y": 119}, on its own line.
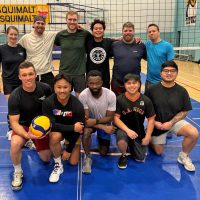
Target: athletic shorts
{"x": 47, "y": 78}
{"x": 137, "y": 150}
{"x": 161, "y": 139}
{"x": 8, "y": 88}
{"x": 103, "y": 138}
{"x": 40, "y": 144}
{"x": 78, "y": 142}
{"x": 78, "y": 83}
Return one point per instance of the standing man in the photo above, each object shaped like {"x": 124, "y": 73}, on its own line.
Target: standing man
{"x": 99, "y": 51}
{"x": 158, "y": 52}
{"x": 172, "y": 103}
{"x": 24, "y": 104}
{"x": 132, "y": 108}
{"x": 99, "y": 104}
{"x": 73, "y": 52}
{"x": 67, "y": 117}
{"x": 39, "y": 44}
{"x": 127, "y": 57}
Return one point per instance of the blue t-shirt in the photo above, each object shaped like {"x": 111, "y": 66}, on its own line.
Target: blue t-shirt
{"x": 157, "y": 54}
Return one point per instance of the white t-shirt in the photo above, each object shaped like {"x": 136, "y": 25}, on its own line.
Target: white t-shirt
{"x": 39, "y": 50}
{"x": 98, "y": 107}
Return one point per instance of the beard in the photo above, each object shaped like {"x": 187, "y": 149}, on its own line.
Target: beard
{"x": 128, "y": 38}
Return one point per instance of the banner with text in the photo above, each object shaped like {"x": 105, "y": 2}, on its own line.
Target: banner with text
{"x": 22, "y": 14}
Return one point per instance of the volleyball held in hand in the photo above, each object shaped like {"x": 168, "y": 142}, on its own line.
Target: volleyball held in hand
{"x": 40, "y": 126}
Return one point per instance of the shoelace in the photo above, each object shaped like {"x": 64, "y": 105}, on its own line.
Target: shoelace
{"x": 56, "y": 168}
{"x": 17, "y": 177}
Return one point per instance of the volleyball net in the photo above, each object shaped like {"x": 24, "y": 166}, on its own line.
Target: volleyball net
{"x": 177, "y": 19}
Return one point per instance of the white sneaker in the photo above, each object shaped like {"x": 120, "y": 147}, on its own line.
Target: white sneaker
{"x": 29, "y": 144}
{"x": 186, "y": 161}
{"x": 9, "y": 134}
{"x": 87, "y": 165}
{"x": 55, "y": 174}
{"x": 17, "y": 181}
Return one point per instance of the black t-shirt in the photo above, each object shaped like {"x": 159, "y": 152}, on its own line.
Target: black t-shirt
{"x": 63, "y": 118}
{"x": 132, "y": 114}
{"x": 98, "y": 54}
{"x": 28, "y": 104}
{"x": 168, "y": 102}
{"x": 11, "y": 57}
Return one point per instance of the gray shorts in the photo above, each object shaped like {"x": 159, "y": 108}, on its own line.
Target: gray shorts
{"x": 137, "y": 150}
{"x": 161, "y": 139}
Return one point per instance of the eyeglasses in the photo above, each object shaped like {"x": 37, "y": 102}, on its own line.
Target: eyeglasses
{"x": 169, "y": 70}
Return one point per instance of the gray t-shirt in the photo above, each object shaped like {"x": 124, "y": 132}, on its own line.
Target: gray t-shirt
{"x": 98, "y": 107}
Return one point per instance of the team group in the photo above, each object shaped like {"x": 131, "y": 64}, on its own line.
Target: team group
{"x": 32, "y": 90}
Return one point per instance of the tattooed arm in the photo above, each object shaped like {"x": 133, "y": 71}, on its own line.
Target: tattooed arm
{"x": 179, "y": 116}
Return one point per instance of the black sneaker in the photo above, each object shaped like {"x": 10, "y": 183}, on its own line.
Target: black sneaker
{"x": 122, "y": 162}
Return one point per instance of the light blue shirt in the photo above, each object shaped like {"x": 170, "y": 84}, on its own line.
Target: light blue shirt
{"x": 157, "y": 54}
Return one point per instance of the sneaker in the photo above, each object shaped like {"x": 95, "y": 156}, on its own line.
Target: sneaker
{"x": 29, "y": 144}
{"x": 122, "y": 162}
{"x": 9, "y": 134}
{"x": 142, "y": 161}
{"x": 186, "y": 161}
{"x": 87, "y": 165}
{"x": 55, "y": 174}
{"x": 17, "y": 181}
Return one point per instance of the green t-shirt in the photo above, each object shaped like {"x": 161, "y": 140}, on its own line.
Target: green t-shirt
{"x": 73, "y": 52}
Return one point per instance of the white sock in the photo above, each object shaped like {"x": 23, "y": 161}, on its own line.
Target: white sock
{"x": 18, "y": 168}
{"x": 58, "y": 160}
{"x": 184, "y": 154}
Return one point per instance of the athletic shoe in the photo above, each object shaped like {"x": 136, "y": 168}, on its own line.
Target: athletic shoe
{"x": 55, "y": 174}
{"x": 186, "y": 161}
{"x": 9, "y": 134}
{"x": 29, "y": 144}
{"x": 87, "y": 165}
{"x": 17, "y": 181}
{"x": 122, "y": 162}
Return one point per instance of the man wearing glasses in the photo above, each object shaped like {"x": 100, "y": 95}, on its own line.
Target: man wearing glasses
{"x": 172, "y": 103}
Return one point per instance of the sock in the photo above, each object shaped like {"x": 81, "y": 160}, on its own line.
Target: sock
{"x": 18, "y": 168}
{"x": 58, "y": 160}
{"x": 184, "y": 154}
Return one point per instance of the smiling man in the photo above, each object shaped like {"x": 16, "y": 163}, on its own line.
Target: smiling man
{"x": 172, "y": 103}
{"x": 99, "y": 51}
{"x": 24, "y": 104}
{"x": 73, "y": 54}
{"x": 39, "y": 44}
{"x": 131, "y": 110}
{"x": 67, "y": 117}
{"x": 127, "y": 57}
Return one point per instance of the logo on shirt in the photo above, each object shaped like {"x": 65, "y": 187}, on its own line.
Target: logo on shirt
{"x": 62, "y": 113}
{"x": 21, "y": 53}
{"x": 141, "y": 103}
{"x": 98, "y": 55}
{"x": 42, "y": 98}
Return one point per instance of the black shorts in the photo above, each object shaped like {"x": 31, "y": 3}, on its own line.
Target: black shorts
{"x": 47, "y": 78}
{"x": 137, "y": 150}
{"x": 8, "y": 88}
{"x": 78, "y": 83}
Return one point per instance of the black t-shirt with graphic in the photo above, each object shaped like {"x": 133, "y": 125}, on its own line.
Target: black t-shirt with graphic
{"x": 133, "y": 114}
{"x": 63, "y": 117}
{"x": 98, "y": 54}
